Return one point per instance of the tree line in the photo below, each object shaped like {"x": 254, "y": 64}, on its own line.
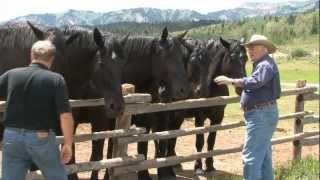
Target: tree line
{"x": 279, "y": 29}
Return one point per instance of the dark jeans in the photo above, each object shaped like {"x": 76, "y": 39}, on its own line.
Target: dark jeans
{"x": 21, "y": 148}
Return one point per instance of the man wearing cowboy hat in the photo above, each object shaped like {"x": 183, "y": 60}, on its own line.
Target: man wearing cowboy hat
{"x": 258, "y": 100}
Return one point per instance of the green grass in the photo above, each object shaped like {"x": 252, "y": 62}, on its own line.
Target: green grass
{"x": 310, "y": 44}
{"x": 226, "y": 177}
{"x": 293, "y": 70}
{"x": 307, "y": 169}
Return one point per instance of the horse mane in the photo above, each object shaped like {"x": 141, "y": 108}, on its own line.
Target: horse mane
{"x": 219, "y": 53}
{"x": 16, "y": 37}
{"x": 137, "y": 47}
{"x": 85, "y": 38}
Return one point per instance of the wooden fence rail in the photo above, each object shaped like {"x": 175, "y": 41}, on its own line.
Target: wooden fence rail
{"x": 168, "y": 161}
{"x": 139, "y": 103}
{"x": 197, "y": 130}
{"x": 122, "y": 164}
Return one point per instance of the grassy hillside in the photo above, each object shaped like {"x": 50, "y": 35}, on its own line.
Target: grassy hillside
{"x": 280, "y": 30}
{"x": 296, "y": 36}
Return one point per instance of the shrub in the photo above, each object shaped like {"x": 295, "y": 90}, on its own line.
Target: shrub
{"x": 299, "y": 52}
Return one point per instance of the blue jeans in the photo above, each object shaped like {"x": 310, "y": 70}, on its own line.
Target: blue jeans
{"x": 21, "y": 148}
{"x": 257, "y": 153}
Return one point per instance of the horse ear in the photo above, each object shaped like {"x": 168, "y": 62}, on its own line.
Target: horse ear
{"x": 98, "y": 38}
{"x": 124, "y": 40}
{"x": 181, "y": 36}
{"x": 165, "y": 34}
{"x": 210, "y": 45}
{"x": 71, "y": 38}
{"x": 65, "y": 29}
{"x": 242, "y": 40}
{"x": 225, "y": 43}
{"x": 39, "y": 34}
{"x": 118, "y": 48}
{"x": 187, "y": 45}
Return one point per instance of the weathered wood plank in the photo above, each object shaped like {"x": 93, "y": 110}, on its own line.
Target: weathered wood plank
{"x": 197, "y": 130}
{"x": 141, "y": 107}
{"x": 178, "y": 133}
{"x": 184, "y": 104}
{"x": 298, "y": 90}
{"x": 298, "y": 125}
{"x": 295, "y": 115}
{"x": 97, "y": 165}
{"x": 310, "y": 141}
{"x": 172, "y": 160}
{"x": 128, "y": 99}
{"x": 310, "y": 119}
{"x": 120, "y": 150}
{"x": 103, "y": 135}
{"x": 311, "y": 97}
{"x": 298, "y": 136}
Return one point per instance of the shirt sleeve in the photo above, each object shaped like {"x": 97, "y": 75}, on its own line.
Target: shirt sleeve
{"x": 3, "y": 86}
{"x": 61, "y": 97}
{"x": 262, "y": 74}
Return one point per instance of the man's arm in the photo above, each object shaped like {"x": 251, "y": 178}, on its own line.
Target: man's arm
{"x": 67, "y": 127}
{"x": 66, "y": 119}
{"x": 260, "y": 77}
{"x": 3, "y": 86}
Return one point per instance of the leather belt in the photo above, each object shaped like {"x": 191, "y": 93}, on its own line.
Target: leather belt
{"x": 26, "y": 130}
{"x": 259, "y": 105}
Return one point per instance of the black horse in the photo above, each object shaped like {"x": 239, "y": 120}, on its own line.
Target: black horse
{"x": 97, "y": 63}
{"x": 207, "y": 61}
{"x": 152, "y": 64}
{"x": 90, "y": 69}
{"x": 166, "y": 81}
{"x": 16, "y": 42}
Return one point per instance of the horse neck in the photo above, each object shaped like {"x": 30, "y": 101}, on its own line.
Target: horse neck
{"x": 138, "y": 68}
{"x": 219, "y": 90}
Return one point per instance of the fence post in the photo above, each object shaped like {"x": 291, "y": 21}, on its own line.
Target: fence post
{"x": 122, "y": 122}
{"x": 298, "y": 125}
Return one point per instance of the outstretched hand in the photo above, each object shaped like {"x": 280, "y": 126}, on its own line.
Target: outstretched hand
{"x": 220, "y": 80}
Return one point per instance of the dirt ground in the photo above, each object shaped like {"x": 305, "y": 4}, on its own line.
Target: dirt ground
{"x": 225, "y": 164}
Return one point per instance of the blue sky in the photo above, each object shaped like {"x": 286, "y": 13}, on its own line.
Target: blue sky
{"x": 13, "y": 8}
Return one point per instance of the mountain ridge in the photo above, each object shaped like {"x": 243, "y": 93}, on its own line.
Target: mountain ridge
{"x": 154, "y": 15}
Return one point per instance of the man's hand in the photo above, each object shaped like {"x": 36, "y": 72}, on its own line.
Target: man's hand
{"x": 66, "y": 153}
{"x": 223, "y": 80}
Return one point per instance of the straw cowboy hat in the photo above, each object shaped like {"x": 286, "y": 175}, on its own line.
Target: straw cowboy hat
{"x": 261, "y": 40}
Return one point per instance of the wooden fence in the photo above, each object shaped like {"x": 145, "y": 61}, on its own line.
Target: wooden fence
{"x": 121, "y": 164}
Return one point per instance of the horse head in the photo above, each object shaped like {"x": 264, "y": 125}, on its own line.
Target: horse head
{"x": 107, "y": 74}
{"x": 168, "y": 66}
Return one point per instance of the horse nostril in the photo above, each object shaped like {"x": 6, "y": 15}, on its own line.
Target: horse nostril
{"x": 112, "y": 106}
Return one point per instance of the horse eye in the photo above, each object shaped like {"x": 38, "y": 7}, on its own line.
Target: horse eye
{"x": 233, "y": 55}
{"x": 114, "y": 55}
{"x": 101, "y": 63}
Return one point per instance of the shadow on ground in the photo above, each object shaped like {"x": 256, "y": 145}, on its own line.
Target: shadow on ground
{"x": 188, "y": 174}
